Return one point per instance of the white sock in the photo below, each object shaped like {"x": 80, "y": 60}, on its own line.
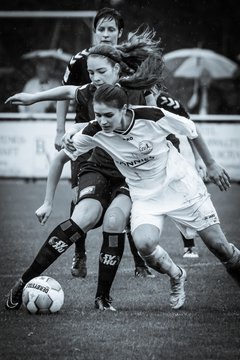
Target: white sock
{"x": 160, "y": 261}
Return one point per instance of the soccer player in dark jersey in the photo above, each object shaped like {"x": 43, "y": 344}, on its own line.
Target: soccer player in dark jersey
{"x": 108, "y": 27}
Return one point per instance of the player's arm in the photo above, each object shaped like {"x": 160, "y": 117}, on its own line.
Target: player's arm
{"x": 54, "y": 175}
{"x": 215, "y": 172}
{"x": 58, "y": 93}
{"x": 67, "y": 139}
{"x": 62, "y": 109}
{"x": 198, "y": 162}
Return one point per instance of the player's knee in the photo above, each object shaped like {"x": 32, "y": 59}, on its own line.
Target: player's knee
{"x": 144, "y": 244}
{"x": 145, "y": 241}
{"x": 114, "y": 220}
{"x": 87, "y": 213}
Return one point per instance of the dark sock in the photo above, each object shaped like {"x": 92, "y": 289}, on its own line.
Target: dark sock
{"x": 79, "y": 244}
{"x": 187, "y": 242}
{"x": 136, "y": 256}
{"x": 60, "y": 239}
{"x": 109, "y": 260}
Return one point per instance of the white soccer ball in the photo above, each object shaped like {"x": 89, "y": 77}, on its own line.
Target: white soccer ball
{"x": 43, "y": 295}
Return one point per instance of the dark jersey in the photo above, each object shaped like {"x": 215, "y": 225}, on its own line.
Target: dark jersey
{"x": 167, "y": 102}
{"x": 76, "y": 74}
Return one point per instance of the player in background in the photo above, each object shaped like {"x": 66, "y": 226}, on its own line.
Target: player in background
{"x": 108, "y": 27}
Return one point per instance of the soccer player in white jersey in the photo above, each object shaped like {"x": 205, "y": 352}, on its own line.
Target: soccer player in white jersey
{"x": 156, "y": 173}
{"x": 161, "y": 182}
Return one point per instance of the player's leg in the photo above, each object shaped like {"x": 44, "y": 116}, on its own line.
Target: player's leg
{"x": 141, "y": 268}
{"x": 114, "y": 223}
{"x": 227, "y": 253}
{"x": 189, "y": 248}
{"x": 146, "y": 237}
{"x": 79, "y": 262}
{"x": 60, "y": 239}
{"x": 189, "y": 244}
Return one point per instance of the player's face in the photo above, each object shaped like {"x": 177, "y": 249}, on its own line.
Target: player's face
{"x": 101, "y": 71}
{"x": 109, "y": 118}
{"x": 107, "y": 32}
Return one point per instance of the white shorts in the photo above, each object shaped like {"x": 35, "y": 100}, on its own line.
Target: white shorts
{"x": 190, "y": 212}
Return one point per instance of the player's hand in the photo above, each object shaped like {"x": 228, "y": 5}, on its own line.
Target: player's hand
{"x": 43, "y": 213}
{"x": 58, "y": 141}
{"x": 219, "y": 176}
{"x": 201, "y": 168}
{"x": 20, "y": 99}
{"x": 67, "y": 141}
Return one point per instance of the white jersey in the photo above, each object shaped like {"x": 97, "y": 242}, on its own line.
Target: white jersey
{"x": 141, "y": 153}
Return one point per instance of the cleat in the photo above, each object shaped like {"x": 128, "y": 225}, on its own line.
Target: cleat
{"x": 104, "y": 303}
{"x": 143, "y": 272}
{"x": 14, "y": 300}
{"x": 177, "y": 296}
{"x": 79, "y": 266}
{"x": 189, "y": 252}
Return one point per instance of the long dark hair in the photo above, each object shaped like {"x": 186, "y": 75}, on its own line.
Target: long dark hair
{"x": 140, "y": 59}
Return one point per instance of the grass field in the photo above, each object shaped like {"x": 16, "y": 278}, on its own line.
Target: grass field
{"x": 144, "y": 327}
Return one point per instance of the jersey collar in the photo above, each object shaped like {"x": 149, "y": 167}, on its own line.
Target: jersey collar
{"x": 132, "y": 122}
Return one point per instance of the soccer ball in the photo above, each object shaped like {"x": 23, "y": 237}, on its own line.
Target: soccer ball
{"x": 43, "y": 295}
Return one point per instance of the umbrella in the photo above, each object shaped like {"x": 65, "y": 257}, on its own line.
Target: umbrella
{"x": 202, "y": 65}
{"x": 56, "y": 54}
{"x": 192, "y": 63}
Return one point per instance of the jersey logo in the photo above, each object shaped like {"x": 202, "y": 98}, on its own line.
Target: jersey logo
{"x": 145, "y": 147}
{"x": 170, "y": 102}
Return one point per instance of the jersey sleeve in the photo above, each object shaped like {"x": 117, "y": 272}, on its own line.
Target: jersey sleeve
{"x": 84, "y": 140}
{"x": 83, "y": 143}
{"x": 176, "y": 124}
{"x": 169, "y": 103}
{"x": 76, "y": 71}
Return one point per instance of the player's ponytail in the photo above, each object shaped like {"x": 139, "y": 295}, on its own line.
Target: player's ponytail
{"x": 147, "y": 75}
{"x": 138, "y": 47}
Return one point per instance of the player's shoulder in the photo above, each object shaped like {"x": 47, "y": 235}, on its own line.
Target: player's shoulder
{"x": 169, "y": 103}
{"x": 92, "y": 128}
{"x": 79, "y": 57}
{"x": 153, "y": 113}
{"x": 85, "y": 93}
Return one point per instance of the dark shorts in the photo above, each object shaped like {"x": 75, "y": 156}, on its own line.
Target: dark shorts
{"x": 95, "y": 184}
{"x": 76, "y": 167}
